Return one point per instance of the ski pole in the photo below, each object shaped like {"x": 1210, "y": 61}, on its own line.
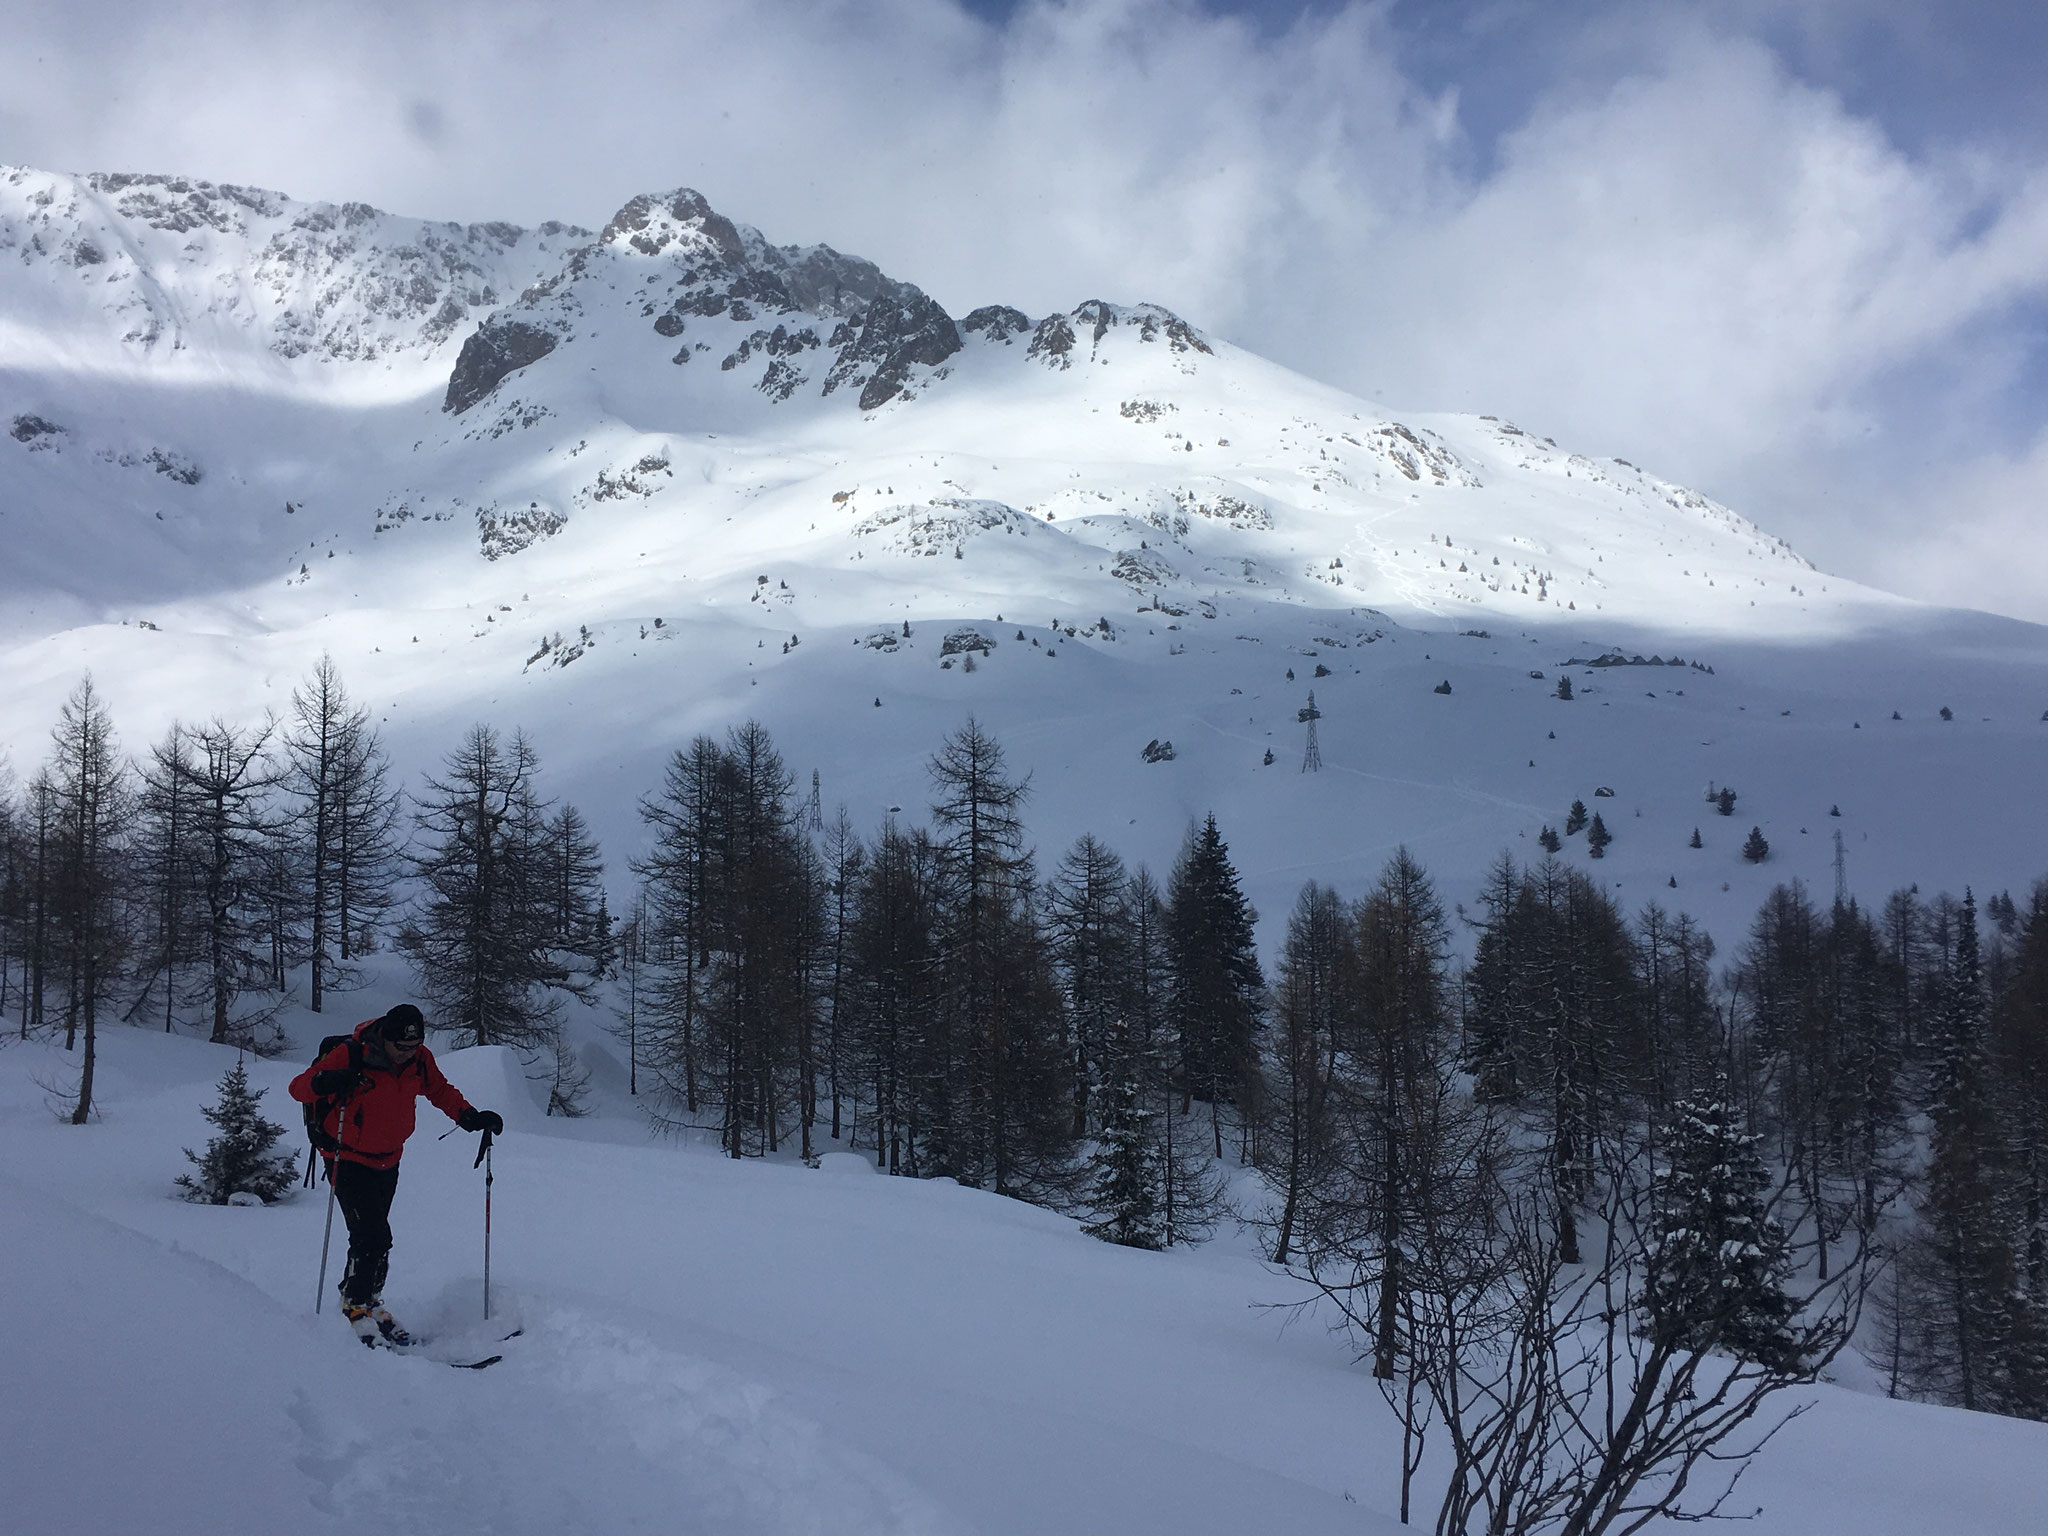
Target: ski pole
{"x": 327, "y": 1235}
{"x": 326, "y": 1238}
{"x": 483, "y": 1155}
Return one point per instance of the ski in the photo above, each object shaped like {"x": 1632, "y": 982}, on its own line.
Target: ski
{"x": 488, "y": 1360}
{"x": 416, "y": 1350}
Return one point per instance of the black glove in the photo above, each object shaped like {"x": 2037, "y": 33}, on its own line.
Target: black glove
{"x": 337, "y": 1082}
{"x": 481, "y": 1120}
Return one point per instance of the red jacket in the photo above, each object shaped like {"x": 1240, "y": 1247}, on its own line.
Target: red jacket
{"x": 380, "y": 1117}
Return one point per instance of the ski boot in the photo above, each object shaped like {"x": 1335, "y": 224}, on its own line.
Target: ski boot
{"x": 362, "y": 1318}
{"x": 377, "y": 1328}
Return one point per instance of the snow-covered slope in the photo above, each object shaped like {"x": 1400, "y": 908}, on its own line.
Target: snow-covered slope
{"x": 624, "y": 487}
{"x": 722, "y": 1347}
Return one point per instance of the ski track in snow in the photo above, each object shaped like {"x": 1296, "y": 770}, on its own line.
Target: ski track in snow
{"x": 588, "y": 1425}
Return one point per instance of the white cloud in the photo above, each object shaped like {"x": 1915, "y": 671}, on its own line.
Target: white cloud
{"x": 1684, "y": 255}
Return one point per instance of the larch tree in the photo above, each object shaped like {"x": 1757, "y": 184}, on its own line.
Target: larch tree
{"x": 92, "y": 807}
{"x": 1005, "y": 1125}
{"x": 481, "y": 936}
{"x": 343, "y": 823}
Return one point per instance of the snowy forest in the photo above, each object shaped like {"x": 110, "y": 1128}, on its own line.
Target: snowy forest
{"x": 1535, "y": 1149}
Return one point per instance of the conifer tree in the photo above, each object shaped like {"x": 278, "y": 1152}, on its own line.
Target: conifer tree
{"x": 892, "y": 991}
{"x": 1597, "y": 838}
{"x": 1716, "y": 1262}
{"x": 1575, "y": 818}
{"x": 576, "y": 899}
{"x": 13, "y": 897}
{"x": 1754, "y": 848}
{"x": 758, "y": 998}
{"x": 683, "y": 873}
{"x": 1217, "y": 989}
{"x": 1126, "y": 1169}
{"x": 1965, "y": 1330}
{"x": 1005, "y": 1120}
{"x": 239, "y": 1159}
{"x": 171, "y": 933}
{"x": 2022, "y": 1052}
{"x": 343, "y": 824}
{"x": 1314, "y": 997}
{"x": 1403, "y": 1134}
{"x": 91, "y": 808}
{"x": 844, "y": 855}
{"x": 481, "y": 938}
{"x": 1497, "y": 1006}
{"x": 1674, "y": 983}
{"x": 1548, "y": 839}
{"x": 228, "y": 774}
{"x": 1191, "y": 1190}
{"x": 1090, "y": 932}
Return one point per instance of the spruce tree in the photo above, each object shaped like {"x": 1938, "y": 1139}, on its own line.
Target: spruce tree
{"x": 1575, "y": 818}
{"x": 1126, "y": 1169}
{"x": 1215, "y": 1005}
{"x": 2022, "y": 1053}
{"x": 1597, "y": 838}
{"x": 1754, "y": 848}
{"x": 1717, "y": 1263}
{"x": 239, "y": 1159}
{"x": 1967, "y": 1333}
{"x": 1548, "y": 839}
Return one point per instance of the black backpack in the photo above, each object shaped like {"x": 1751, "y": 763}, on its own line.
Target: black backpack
{"x": 316, "y": 1111}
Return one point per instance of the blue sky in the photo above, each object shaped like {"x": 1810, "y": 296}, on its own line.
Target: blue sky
{"x": 1795, "y": 255}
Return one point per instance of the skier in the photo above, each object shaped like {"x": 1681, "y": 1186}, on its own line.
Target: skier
{"x": 366, "y": 1087}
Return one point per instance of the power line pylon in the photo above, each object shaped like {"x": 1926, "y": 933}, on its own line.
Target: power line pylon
{"x": 1312, "y": 758}
{"x": 817, "y": 815}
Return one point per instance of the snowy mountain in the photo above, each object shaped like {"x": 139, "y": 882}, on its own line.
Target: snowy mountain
{"x": 624, "y": 487}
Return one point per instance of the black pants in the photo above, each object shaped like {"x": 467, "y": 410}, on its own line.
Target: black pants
{"x": 364, "y": 1195}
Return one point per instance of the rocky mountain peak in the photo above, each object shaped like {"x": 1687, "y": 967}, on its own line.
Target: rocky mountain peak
{"x": 688, "y": 268}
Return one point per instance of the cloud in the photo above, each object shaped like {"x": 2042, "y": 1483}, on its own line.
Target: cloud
{"x": 1680, "y": 251}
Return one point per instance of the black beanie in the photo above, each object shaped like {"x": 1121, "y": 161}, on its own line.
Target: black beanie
{"x": 402, "y": 1023}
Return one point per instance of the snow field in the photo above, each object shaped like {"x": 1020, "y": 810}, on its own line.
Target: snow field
{"x": 711, "y": 1346}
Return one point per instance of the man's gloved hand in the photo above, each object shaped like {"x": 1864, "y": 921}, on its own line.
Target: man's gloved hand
{"x": 482, "y": 1120}
{"x": 337, "y": 1081}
